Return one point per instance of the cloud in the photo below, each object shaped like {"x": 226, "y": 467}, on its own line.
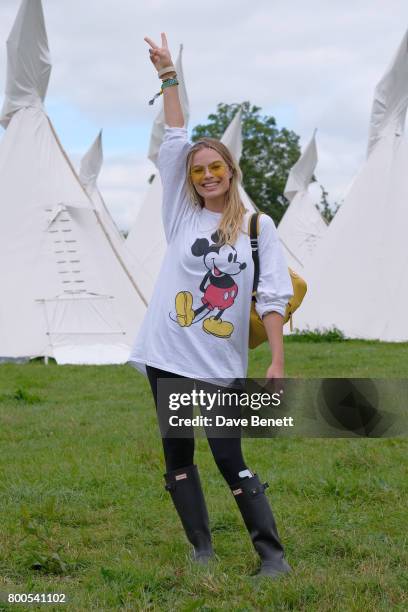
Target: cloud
{"x": 314, "y": 64}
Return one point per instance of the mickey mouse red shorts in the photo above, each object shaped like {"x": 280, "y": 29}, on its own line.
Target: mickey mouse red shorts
{"x": 219, "y": 297}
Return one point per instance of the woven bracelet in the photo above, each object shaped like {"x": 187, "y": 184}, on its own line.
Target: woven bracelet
{"x": 166, "y": 83}
{"x": 169, "y": 83}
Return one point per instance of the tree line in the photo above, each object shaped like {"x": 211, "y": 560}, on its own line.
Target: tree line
{"x": 268, "y": 153}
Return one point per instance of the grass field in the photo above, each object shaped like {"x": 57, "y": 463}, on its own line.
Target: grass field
{"x": 84, "y": 512}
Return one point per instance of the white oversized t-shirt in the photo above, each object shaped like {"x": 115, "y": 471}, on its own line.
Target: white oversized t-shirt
{"x": 217, "y": 281}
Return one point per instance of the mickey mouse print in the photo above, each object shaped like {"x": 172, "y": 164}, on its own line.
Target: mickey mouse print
{"x": 218, "y": 287}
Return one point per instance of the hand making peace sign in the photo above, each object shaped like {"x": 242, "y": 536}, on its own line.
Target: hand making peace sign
{"x": 160, "y": 56}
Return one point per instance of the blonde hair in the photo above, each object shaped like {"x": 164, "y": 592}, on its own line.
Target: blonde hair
{"x": 234, "y": 210}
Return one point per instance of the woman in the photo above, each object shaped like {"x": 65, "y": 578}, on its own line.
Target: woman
{"x": 196, "y": 326}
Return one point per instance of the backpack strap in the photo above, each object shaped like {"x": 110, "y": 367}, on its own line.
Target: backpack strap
{"x": 253, "y": 232}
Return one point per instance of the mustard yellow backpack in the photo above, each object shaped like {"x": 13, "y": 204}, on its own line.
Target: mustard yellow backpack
{"x": 257, "y": 331}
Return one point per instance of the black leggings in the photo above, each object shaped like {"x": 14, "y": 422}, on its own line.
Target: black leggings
{"x": 179, "y": 452}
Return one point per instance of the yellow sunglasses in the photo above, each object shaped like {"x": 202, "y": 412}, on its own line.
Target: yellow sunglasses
{"x": 216, "y": 168}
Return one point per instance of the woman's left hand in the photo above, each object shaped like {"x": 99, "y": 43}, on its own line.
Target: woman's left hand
{"x": 275, "y": 370}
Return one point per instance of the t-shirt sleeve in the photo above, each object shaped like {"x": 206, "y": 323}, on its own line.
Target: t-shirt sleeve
{"x": 274, "y": 286}
{"x": 172, "y": 167}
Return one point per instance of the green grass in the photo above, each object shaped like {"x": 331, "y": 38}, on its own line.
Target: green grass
{"x": 352, "y": 358}
{"x": 82, "y": 498}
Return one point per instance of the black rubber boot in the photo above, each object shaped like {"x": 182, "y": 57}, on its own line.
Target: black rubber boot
{"x": 250, "y": 496}
{"x": 185, "y": 489}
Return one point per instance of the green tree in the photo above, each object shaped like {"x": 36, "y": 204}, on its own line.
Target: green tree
{"x": 268, "y": 153}
{"x": 326, "y": 209}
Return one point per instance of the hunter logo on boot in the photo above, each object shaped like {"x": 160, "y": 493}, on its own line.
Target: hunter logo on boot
{"x": 181, "y": 476}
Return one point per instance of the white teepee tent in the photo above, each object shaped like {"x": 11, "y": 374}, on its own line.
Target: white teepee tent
{"x": 302, "y": 225}
{"x": 89, "y": 170}
{"x": 232, "y": 138}
{"x": 66, "y": 292}
{"x": 390, "y": 98}
{"x": 357, "y": 277}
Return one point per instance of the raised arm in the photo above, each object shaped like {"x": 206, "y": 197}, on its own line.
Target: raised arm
{"x": 161, "y": 59}
{"x": 171, "y": 160}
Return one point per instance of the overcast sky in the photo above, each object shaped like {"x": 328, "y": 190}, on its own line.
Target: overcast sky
{"x": 310, "y": 64}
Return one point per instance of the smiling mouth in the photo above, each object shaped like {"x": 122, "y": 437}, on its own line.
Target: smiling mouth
{"x": 209, "y": 185}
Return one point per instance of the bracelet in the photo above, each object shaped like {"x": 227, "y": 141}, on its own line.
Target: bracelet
{"x": 171, "y": 75}
{"x": 166, "y": 83}
{"x": 162, "y": 71}
{"x": 169, "y": 82}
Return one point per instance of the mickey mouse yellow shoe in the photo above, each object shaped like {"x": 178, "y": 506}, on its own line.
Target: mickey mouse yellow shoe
{"x": 216, "y": 327}
{"x": 184, "y": 308}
